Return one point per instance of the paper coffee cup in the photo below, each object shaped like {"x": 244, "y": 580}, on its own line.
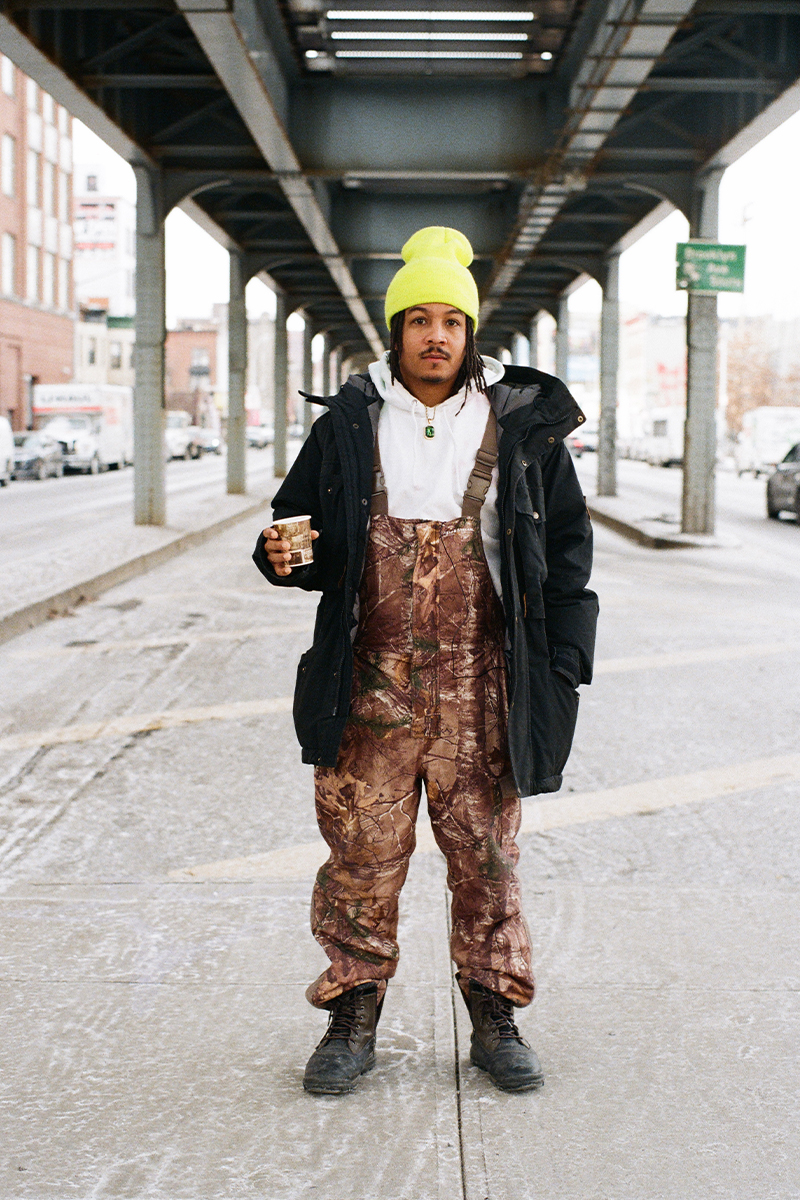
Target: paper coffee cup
{"x": 297, "y": 532}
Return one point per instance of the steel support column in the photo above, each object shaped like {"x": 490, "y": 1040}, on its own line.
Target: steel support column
{"x": 237, "y": 376}
{"x": 700, "y": 435}
{"x": 562, "y": 339}
{"x": 149, "y": 499}
{"x": 336, "y": 370}
{"x": 325, "y": 382}
{"x": 609, "y": 369}
{"x": 308, "y": 375}
{"x": 520, "y": 354}
{"x": 280, "y": 378}
{"x": 533, "y": 343}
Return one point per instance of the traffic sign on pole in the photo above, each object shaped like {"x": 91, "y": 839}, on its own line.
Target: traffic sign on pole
{"x": 707, "y": 267}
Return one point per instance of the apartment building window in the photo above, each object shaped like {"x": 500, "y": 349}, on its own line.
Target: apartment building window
{"x": 115, "y": 356}
{"x": 7, "y": 75}
{"x": 91, "y": 352}
{"x": 33, "y": 95}
{"x": 8, "y": 264}
{"x": 8, "y": 164}
{"x": 49, "y": 279}
{"x": 63, "y": 197}
{"x": 48, "y": 189}
{"x": 48, "y": 108}
{"x": 91, "y": 183}
{"x": 63, "y": 119}
{"x": 63, "y": 284}
{"x": 33, "y": 179}
{"x": 32, "y": 273}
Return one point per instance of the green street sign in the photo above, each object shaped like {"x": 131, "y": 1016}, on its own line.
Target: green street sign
{"x": 708, "y": 267}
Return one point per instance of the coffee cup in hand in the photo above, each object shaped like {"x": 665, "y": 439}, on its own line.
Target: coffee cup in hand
{"x": 297, "y": 532}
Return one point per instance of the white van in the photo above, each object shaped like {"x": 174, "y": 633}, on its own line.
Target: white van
{"x": 6, "y": 451}
{"x": 768, "y": 434}
{"x": 93, "y": 422}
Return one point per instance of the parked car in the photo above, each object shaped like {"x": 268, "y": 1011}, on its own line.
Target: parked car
{"x": 37, "y": 456}
{"x": 575, "y": 444}
{"x": 178, "y": 435}
{"x": 204, "y": 441}
{"x": 260, "y": 436}
{"x": 6, "y": 452}
{"x": 77, "y": 435}
{"x": 783, "y": 486}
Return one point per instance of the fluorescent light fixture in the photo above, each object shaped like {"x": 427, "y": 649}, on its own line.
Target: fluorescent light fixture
{"x": 312, "y": 53}
{"x": 427, "y": 55}
{"x": 546, "y": 55}
{"x": 415, "y": 14}
{"x": 367, "y": 35}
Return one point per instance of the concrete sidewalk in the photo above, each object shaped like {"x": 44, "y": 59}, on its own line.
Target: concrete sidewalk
{"x": 157, "y": 851}
{"x": 46, "y": 584}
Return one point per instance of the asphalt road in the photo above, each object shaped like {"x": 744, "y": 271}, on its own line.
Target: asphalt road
{"x": 158, "y": 845}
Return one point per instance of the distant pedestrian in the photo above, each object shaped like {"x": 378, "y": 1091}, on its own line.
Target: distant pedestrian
{"x": 453, "y": 550}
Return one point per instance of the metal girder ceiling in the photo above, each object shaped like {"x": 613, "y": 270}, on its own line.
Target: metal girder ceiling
{"x": 316, "y": 137}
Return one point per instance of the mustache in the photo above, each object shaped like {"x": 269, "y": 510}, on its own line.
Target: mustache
{"x": 435, "y": 353}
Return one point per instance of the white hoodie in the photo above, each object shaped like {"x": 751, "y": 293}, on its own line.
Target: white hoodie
{"x": 426, "y": 477}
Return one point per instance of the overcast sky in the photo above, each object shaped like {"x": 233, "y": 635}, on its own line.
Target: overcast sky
{"x": 758, "y": 206}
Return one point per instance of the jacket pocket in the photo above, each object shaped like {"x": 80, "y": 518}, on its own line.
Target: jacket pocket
{"x": 316, "y": 693}
{"x": 529, "y": 548}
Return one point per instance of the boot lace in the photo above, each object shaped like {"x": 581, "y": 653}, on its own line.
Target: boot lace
{"x": 344, "y": 1019}
{"x": 499, "y": 1011}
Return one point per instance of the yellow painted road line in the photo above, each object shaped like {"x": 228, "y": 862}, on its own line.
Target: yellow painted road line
{"x": 176, "y": 639}
{"x": 145, "y": 722}
{"x": 538, "y": 815}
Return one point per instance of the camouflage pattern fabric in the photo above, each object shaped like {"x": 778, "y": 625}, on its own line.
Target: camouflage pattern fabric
{"x": 428, "y": 706}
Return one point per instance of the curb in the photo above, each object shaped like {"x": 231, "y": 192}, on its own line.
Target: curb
{"x": 39, "y": 611}
{"x": 636, "y": 532}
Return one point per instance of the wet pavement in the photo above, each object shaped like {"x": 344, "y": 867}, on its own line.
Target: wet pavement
{"x": 157, "y": 848}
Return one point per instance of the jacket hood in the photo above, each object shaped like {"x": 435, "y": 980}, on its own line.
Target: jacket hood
{"x": 523, "y": 397}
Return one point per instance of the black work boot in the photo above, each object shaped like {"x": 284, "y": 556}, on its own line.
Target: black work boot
{"x": 497, "y": 1046}
{"x": 348, "y": 1047}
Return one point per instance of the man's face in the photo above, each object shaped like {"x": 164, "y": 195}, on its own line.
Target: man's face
{"x": 434, "y": 344}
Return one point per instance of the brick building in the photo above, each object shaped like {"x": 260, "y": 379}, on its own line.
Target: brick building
{"x": 36, "y": 319}
{"x": 191, "y": 370}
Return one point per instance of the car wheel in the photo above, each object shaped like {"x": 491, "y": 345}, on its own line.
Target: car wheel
{"x": 41, "y": 470}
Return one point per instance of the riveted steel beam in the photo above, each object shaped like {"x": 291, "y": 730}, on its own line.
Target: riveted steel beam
{"x": 222, "y": 42}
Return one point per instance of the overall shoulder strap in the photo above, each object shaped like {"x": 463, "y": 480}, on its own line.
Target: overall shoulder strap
{"x": 481, "y": 474}
{"x": 380, "y": 497}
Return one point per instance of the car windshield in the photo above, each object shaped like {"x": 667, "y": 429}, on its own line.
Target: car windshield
{"x": 28, "y": 440}
{"x": 69, "y": 422}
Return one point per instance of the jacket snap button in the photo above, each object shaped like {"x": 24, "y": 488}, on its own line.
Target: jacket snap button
{"x": 508, "y": 531}
{"x": 363, "y": 502}
{"x": 355, "y": 424}
{"x": 551, "y": 440}
{"x": 524, "y": 463}
{"x": 536, "y": 516}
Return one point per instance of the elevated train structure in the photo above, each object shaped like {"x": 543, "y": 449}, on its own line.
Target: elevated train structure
{"x": 311, "y": 139}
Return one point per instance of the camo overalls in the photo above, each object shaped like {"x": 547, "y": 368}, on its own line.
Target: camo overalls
{"x": 428, "y": 706}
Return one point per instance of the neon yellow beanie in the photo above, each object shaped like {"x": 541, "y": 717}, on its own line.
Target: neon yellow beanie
{"x": 435, "y": 272}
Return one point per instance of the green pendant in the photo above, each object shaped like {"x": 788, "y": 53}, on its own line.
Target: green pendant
{"x": 429, "y": 431}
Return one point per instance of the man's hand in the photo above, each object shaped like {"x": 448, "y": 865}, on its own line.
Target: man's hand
{"x": 278, "y": 550}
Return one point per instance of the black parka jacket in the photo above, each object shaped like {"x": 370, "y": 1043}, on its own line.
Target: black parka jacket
{"x": 546, "y": 557}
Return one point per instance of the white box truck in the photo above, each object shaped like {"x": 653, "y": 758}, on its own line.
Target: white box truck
{"x": 92, "y": 421}
{"x": 768, "y": 434}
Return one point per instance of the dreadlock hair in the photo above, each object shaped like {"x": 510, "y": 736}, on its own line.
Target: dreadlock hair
{"x": 471, "y": 372}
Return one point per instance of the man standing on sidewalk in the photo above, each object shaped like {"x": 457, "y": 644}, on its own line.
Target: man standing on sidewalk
{"x": 450, "y": 640}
